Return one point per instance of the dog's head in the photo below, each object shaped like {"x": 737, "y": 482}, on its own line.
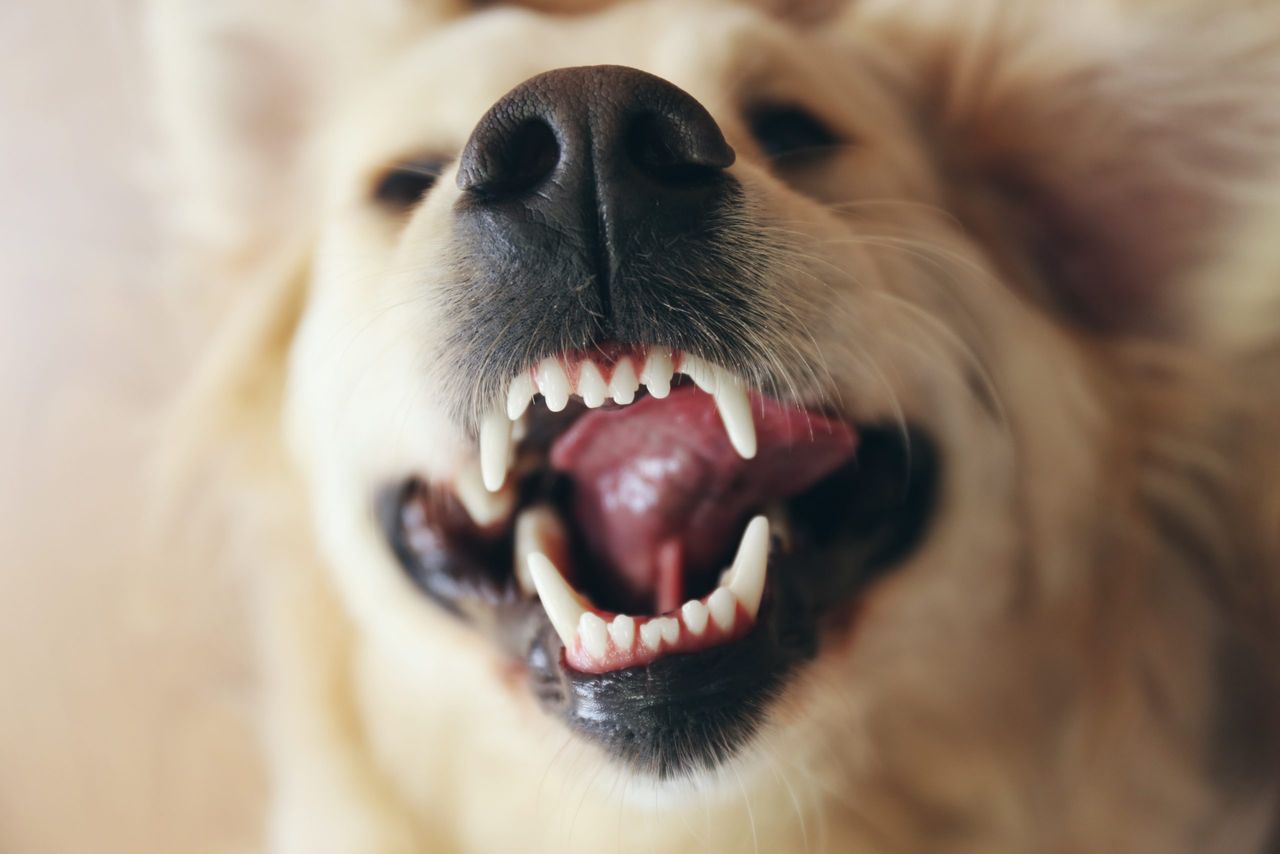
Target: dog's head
{"x": 755, "y": 389}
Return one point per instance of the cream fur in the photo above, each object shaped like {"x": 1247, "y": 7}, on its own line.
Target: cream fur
{"x": 1045, "y": 673}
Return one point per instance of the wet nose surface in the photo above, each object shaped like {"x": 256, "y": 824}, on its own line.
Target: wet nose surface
{"x": 615, "y": 124}
{"x": 602, "y": 162}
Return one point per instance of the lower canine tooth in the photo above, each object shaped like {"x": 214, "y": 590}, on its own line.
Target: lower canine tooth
{"x": 563, "y": 606}
{"x": 623, "y": 632}
{"x": 484, "y": 507}
{"x": 750, "y": 565}
{"x": 723, "y": 607}
{"x": 538, "y": 529}
{"x": 495, "y": 449}
{"x": 593, "y": 634}
{"x": 695, "y": 616}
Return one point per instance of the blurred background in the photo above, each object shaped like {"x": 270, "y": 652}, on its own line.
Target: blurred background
{"x": 125, "y": 690}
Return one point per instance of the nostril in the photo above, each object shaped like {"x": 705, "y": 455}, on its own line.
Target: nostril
{"x": 523, "y": 159}
{"x": 663, "y": 150}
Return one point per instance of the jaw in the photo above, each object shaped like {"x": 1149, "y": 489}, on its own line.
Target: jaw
{"x": 665, "y": 688}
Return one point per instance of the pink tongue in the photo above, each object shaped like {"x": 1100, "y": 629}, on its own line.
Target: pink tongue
{"x": 660, "y": 495}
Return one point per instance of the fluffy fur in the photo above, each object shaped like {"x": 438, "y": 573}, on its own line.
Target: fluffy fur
{"x": 1049, "y": 241}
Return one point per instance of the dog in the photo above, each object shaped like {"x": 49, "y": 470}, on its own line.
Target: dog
{"x": 723, "y": 426}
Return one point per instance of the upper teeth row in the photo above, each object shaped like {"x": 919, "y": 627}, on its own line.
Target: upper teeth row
{"x": 550, "y": 378}
{"x": 593, "y": 642}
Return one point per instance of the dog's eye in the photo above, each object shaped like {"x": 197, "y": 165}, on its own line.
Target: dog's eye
{"x": 789, "y": 131}
{"x": 404, "y": 185}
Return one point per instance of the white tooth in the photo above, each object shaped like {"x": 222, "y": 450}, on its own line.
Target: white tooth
{"x": 553, "y": 383}
{"x": 735, "y": 412}
{"x": 563, "y": 606}
{"x": 703, "y": 375}
{"x": 495, "y": 449}
{"x": 538, "y": 530}
{"x": 623, "y": 631}
{"x": 695, "y": 616}
{"x": 591, "y": 387}
{"x": 651, "y": 635}
{"x": 519, "y": 395}
{"x": 670, "y": 628}
{"x": 656, "y": 374}
{"x": 623, "y": 383}
{"x": 484, "y": 507}
{"x": 594, "y": 634}
{"x": 723, "y": 607}
{"x": 750, "y": 564}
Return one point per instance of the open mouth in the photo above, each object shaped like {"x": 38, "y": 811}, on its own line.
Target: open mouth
{"x": 659, "y": 545}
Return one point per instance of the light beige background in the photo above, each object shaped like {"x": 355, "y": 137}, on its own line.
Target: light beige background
{"x": 125, "y": 697}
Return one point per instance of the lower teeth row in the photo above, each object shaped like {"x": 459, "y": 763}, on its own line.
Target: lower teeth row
{"x": 597, "y": 640}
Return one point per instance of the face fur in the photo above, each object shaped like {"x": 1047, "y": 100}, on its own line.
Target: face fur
{"x": 758, "y": 336}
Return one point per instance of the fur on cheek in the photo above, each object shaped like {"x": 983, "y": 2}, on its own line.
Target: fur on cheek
{"x": 1101, "y": 157}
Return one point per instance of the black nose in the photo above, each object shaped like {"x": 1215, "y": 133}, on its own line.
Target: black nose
{"x": 603, "y": 160}
{"x": 602, "y": 128}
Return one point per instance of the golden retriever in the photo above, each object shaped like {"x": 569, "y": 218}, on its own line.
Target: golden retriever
{"x": 713, "y": 426}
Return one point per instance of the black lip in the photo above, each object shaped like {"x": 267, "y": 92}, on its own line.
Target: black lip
{"x": 681, "y": 713}
{"x": 690, "y": 712}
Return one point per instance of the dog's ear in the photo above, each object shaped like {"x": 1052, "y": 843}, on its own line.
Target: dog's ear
{"x": 240, "y": 86}
{"x": 1108, "y": 148}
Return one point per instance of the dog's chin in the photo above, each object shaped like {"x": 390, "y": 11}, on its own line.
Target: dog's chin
{"x": 659, "y": 587}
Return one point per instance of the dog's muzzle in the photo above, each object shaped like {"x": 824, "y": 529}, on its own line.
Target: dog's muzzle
{"x": 656, "y": 537}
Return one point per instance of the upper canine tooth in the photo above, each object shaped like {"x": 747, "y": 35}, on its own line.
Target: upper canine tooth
{"x": 732, "y": 402}
{"x": 656, "y": 374}
{"x": 623, "y": 383}
{"x": 562, "y": 604}
{"x": 750, "y": 564}
{"x": 704, "y": 375}
{"x": 484, "y": 507}
{"x": 591, "y": 387}
{"x": 553, "y": 382}
{"x": 495, "y": 449}
{"x": 735, "y": 411}
{"x": 695, "y": 616}
{"x": 519, "y": 395}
